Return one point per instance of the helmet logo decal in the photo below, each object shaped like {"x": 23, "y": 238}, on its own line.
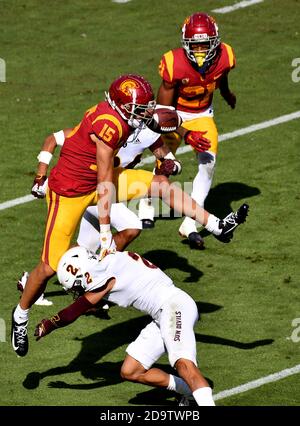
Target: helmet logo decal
{"x": 128, "y": 86}
{"x": 201, "y": 37}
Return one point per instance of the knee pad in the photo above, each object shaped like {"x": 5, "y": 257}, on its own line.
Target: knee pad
{"x": 207, "y": 161}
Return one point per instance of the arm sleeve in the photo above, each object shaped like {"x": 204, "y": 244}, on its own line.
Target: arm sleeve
{"x": 69, "y": 314}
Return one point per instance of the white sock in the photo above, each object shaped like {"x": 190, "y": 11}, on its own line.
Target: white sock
{"x": 178, "y": 385}
{"x": 21, "y": 315}
{"x": 188, "y": 226}
{"x": 203, "y": 397}
{"x": 213, "y": 225}
{"x": 146, "y": 209}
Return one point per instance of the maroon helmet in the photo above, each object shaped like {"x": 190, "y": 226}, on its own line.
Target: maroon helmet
{"x": 131, "y": 96}
{"x": 200, "y": 29}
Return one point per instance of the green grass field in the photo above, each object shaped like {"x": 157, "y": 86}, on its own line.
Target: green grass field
{"x": 60, "y": 57}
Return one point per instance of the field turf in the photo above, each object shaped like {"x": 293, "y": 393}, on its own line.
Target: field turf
{"x": 60, "y": 57}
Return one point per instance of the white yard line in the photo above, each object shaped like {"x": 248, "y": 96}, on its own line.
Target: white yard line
{"x": 16, "y": 201}
{"x": 239, "y": 5}
{"x": 236, "y": 133}
{"x": 184, "y": 149}
{"x": 259, "y": 382}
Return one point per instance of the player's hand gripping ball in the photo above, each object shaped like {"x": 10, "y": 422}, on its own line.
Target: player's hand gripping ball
{"x": 165, "y": 120}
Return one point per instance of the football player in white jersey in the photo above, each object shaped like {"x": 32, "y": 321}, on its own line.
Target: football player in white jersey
{"x": 148, "y": 289}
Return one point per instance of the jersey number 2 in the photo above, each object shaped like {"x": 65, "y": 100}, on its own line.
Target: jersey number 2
{"x": 137, "y": 257}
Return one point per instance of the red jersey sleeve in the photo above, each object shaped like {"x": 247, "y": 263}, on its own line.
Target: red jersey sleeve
{"x": 166, "y": 67}
{"x": 231, "y": 60}
{"x": 109, "y": 129}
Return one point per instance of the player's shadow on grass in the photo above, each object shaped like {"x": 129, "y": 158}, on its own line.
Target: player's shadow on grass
{"x": 221, "y": 196}
{"x": 167, "y": 259}
{"x": 94, "y": 347}
{"x": 215, "y": 340}
{"x": 97, "y": 345}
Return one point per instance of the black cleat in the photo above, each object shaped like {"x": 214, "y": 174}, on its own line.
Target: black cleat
{"x": 186, "y": 400}
{"x": 231, "y": 222}
{"x": 19, "y": 338}
{"x": 196, "y": 241}
{"x": 147, "y": 223}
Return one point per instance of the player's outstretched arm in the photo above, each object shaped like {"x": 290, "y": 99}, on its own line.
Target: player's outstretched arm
{"x": 63, "y": 318}
{"x": 69, "y": 314}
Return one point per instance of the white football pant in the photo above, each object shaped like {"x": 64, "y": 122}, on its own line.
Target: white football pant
{"x": 121, "y": 218}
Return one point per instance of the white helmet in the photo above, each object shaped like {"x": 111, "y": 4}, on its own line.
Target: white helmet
{"x": 72, "y": 269}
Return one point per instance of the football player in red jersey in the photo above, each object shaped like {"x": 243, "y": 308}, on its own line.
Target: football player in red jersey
{"x": 190, "y": 75}
{"x": 84, "y": 175}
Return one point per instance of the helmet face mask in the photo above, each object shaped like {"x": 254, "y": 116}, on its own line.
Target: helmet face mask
{"x": 132, "y": 97}
{"x": 200, "y": 39}
{"x": 77, "y": 289}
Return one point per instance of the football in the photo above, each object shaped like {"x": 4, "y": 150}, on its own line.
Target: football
{"x": 164, "y": 120}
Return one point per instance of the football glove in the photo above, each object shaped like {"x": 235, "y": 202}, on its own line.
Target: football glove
{"x": 39, "y": 186}
{"x": 197, "y": 140}
{"x": 168, "y": 167}
{"x": 107, "y": 244}
{"x": 43, "y": 328}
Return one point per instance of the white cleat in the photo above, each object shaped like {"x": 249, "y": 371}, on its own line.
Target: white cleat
{"x": 42, "y": 301}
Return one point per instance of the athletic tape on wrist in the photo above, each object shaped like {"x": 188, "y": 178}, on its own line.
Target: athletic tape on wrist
{"x": 44, "y": 157}
{"x": 169, "y": 156}
{"x": 105, "y": 227}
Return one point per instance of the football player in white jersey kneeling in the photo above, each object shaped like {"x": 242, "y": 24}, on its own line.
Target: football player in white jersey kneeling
{"x": 148, "y": 289}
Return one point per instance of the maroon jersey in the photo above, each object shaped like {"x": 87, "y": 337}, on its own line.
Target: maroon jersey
{"x": 76, "y": 170}
{"x": 195, "y": 91}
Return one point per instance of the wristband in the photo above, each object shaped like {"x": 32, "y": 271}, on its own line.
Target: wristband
{"x": 105, "y": 227}
{"x": 179, "y": 168}
{"x": 59, "y": 137}
{"x": 169, "y": 156}
{"x": 44, "y": 157}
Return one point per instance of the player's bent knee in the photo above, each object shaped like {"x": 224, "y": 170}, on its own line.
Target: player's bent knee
{"x": 132, "y": 233}
{"x": 184, "y": 363}
{"x": 186, "y": 368}
{"x": 129, "y": 374}
{"x": 132, "y": 370}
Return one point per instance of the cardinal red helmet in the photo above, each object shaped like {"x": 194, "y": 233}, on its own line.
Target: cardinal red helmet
{"x": 132, "y": 95}
{"x": 200, "y": 29}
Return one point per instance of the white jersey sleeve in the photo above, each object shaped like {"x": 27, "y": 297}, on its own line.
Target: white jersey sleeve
{"x": 135, "y": 146}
